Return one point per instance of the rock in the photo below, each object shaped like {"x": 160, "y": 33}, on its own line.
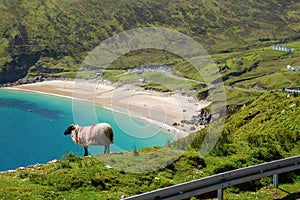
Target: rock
{"x": 204, "y": 116}
{"x": 108, "y": 166}
{"x": 53, "y": 161}
{"x": 184, "y": 121}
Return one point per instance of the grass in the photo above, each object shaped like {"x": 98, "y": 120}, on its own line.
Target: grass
{"x": 52, "y": 38}
{"x": 285, "y": 191}
{"x": 85, "y": 178}
{"x": 168, "y": 83}
{"x": 270, "y": 72}
{"x": 235, "y": 96}
{"x": 263, "y": 130}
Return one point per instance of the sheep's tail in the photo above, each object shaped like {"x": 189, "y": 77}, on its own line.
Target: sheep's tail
{"x": 110, "y": 134}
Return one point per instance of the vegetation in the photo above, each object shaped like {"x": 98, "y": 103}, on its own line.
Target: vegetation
{"x": 51, "y": 38}
{"x": 259, "y": 132}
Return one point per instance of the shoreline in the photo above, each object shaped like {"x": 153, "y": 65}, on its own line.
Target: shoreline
{"x": 177, "y": 133}
{"x": 148, "y": 106}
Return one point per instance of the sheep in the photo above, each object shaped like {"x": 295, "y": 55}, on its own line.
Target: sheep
{"x": 97, "y": 134}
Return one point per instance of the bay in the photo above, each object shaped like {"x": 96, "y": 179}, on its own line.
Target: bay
{"x": 32, "y": 126}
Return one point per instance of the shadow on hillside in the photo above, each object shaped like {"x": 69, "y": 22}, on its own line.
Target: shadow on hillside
{"x": 290, "y": 196}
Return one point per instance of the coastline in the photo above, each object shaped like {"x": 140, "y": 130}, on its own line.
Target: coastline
{"x": 164, "y": 110}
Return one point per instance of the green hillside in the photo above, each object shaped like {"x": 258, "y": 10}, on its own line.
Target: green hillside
{"x": 51, "y": 38}
{"x": 264, "y": 130}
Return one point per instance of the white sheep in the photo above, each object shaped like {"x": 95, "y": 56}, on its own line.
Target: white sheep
{"x": 97, "y": 134}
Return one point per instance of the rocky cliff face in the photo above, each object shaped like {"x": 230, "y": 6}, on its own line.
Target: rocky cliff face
{"x": 18, "y": 67}
{"x": 205, "y": 116}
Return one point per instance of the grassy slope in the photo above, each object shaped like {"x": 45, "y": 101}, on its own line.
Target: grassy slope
{"x": 52, "y": 38}
{"x": 258, "y": 132}
{"x": 270, "y": 72}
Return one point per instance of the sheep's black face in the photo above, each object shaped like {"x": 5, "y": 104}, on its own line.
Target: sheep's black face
{"x": 69, "y": 129}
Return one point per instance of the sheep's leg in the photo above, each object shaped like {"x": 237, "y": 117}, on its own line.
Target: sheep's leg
{"x": 105, "y": 149}
{"x": 86, "y": 153}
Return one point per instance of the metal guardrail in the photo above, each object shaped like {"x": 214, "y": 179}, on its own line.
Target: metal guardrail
{"x": 223, "y": 180}
{"x": 293, "y": 90}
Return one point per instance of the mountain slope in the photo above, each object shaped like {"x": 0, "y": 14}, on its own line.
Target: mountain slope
{"x": 51, "y": 37}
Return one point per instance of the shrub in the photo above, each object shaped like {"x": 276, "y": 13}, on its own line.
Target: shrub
{"x": 224, "y": 168}
{"x": 62, "y": 165}
{"x": 194, "y": 159}
{"x": 71, "y": 157}
{"x": 266, "y": 153}
{"x": 23, "y": 175}
{"x": 224, "y": 149}
{"x": 97, "y": 182}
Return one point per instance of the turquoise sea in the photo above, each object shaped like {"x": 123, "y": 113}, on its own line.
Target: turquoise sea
{"x": 32, "y": 127}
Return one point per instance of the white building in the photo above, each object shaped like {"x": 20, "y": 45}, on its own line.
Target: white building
{"x": 282, "y": 48}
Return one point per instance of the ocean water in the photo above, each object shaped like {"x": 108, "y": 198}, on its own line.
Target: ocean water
{"x": 32, "y": 127}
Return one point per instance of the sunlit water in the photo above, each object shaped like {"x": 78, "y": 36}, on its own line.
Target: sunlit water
{"x": 32, "y": 126}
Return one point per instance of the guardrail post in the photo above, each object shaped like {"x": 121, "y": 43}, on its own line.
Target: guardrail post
{"x": 220, "y": 194}
{"x": 275, "y": 180}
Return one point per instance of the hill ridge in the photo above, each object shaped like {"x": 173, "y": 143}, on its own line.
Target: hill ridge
{"x": 46, "y": 37}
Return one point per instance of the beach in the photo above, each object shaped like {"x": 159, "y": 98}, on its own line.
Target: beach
{"x": 164, "y": 109}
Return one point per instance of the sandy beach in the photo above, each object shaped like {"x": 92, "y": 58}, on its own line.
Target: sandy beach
{"x": 162, "y": 109}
